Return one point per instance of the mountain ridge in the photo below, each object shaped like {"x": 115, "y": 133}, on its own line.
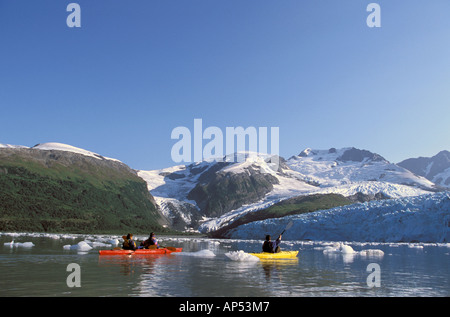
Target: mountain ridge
{"x": 346, "y": 171}
{"x": 435, "y": 168}
{"x": 208, "y": 195}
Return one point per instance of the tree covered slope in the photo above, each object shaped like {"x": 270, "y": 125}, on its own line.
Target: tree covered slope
{"x": 61, "y": 191}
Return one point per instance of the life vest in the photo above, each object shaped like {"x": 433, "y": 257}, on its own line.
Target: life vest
{"x": 129, "y": 244}
{"x": 268, "y": 247}
{"x": 149, "y": 242}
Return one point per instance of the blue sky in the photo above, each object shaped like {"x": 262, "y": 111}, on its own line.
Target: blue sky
{"x": 136, "y": 70}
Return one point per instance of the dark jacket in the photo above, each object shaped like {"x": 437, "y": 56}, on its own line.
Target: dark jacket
{"x": 271, "y": 246}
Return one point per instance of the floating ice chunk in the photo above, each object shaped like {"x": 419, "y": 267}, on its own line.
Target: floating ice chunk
{"x": 13, "y": 234}
{"x": 19, "y": 244}
{"x": 328, "y": 250}
{"x": 52, "y": 236}
{"x": 113, "y": 241}
{"x": 348, "y": 252}
{"x": 67, "y": 236}
{"x": 241, "y": 256}
{"x": 81, "y": 246}
{"x": 371, "y": 253}
{"x": 339, "y": 248}
{"x": 9, "y": 244}
{"x": 346, "y": 249}
{"x": 415, "y": 246}
{"x": 97, "y": 244}
{"x": 25, "y": 245}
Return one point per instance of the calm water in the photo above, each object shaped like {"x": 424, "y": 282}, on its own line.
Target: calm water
{"x": 203, "y": 269}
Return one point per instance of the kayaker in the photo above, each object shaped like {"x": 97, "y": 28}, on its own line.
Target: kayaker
{"x": 129, "y": 243}
{"x": 150, "y": 241}
{"x": 271, "y": 246}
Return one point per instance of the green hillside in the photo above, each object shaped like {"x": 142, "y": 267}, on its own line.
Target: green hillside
{"x": 56, "y": 191}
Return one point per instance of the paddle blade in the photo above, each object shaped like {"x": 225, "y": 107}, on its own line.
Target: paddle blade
{"x": 289, "y": 225}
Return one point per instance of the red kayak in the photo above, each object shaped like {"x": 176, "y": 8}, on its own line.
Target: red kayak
{"x": 166, "y": 250}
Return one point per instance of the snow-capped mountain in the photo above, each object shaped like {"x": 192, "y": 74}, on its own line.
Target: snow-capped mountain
{"x": 435, "y": 169}
{"x": 209, "y": 195}
{"x": 330, "y": 168}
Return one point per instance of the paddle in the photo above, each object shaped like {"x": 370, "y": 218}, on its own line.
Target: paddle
{"x": 153, "y": 247}
{"x": 289, "y": 225}
{"x": 173, "y": 249}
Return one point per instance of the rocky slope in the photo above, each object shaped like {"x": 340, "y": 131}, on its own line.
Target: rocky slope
{"x": 435, "y": 169}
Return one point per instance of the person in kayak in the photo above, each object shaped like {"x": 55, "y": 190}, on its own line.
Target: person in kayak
{"x": 271, "y": 246}
{"x": 128, "y": 243}
{"x": 150, "y": 241}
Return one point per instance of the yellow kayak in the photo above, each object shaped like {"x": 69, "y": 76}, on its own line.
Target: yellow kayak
{"x": 279, "y": 255}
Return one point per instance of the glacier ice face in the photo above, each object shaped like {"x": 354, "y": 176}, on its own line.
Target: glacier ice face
{"x": 424, "y": 218}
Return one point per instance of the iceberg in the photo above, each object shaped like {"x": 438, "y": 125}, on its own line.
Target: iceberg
{"x": 80, "y": 246}
{"x": 19, "y": 244}
{"x": 241, "y": 256}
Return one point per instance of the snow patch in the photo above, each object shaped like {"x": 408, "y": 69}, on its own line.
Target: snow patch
{"x": 69, "y": 148}
{"x": 9, "y": 146}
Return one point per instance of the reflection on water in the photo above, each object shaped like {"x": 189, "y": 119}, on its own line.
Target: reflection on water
{"x": 275, "y": 267}
{"x": 204, "y": 269}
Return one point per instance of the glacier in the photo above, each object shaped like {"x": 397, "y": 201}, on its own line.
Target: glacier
{"x": 423, "y": 218}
